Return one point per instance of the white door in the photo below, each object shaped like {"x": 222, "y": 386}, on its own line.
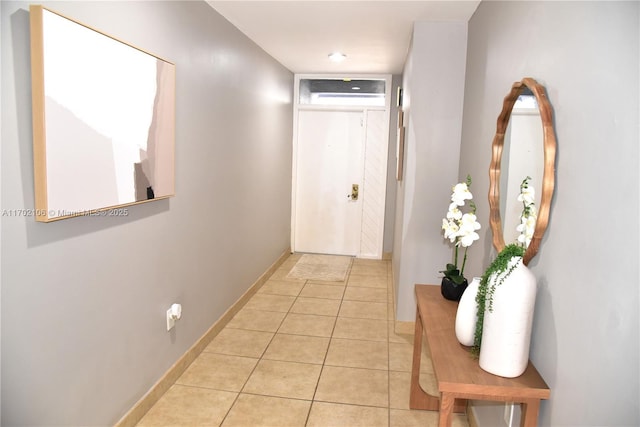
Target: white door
{"x": 330, "y": 154}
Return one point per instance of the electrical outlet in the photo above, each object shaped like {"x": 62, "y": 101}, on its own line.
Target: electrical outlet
{"x": 508, "y": 414}
{"x": 171, "y": 320}
{"x": 174, "y": 313}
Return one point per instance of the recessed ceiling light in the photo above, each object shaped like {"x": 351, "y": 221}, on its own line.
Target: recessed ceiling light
{"x": 355, "y": 88}
{"x": 337, "y": 56}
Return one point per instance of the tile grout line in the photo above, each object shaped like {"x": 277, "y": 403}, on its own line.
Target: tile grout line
{"x": 324, "y": 360}
{"x": 252, "y": 370}
{"x": 331, "y": 339}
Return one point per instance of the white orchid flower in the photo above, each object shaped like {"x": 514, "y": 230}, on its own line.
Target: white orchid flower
{"x": 450, "y": 230}
{"x": 468, "y": 227}
{"x": 454, "y": 213}
{"x": 468, "y": 238}
{"x": 527, "y": 195}
{"x": 531, "y": 221}
{"x": 526, "y": 233}
{"x": 470, "y": 222}
{"x": 460, "y": 194}
{"x": 527, "y": 192}
{"x": 530, "y": 225}
{"x": 529, "y": 213}
{"x": 522, "y": 239}
{"x": 527, "y": 226}
{"x": 460, "y": 228}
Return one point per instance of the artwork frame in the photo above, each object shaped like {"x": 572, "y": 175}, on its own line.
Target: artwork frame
{"x": 400, "y": 154}
{"x": 103, "y": 120}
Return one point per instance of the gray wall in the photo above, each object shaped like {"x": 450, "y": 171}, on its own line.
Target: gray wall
{"x": 585, "y": 333}
{"x": 390, "y": 201}
{"x": 84, "y": 299}
{"x": 433, "y": 87}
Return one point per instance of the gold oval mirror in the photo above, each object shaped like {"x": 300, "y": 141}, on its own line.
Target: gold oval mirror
{"x": 548, "y": 177}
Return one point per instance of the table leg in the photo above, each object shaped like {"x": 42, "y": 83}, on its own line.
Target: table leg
{"x": 446, "y": 410}
{"x": 530, "y": 409}
{"x": 418, "y": 398}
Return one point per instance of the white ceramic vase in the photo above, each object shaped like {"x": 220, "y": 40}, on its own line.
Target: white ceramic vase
{"x": 466, "y": 316}
{"x": 506, "y": 332}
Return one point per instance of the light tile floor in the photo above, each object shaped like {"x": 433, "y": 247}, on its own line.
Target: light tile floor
{"x": 305, "y": 353}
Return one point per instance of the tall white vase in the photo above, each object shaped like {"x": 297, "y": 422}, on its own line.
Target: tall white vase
{"x": 467, "y": 314}
{"x": 506, "y": 331}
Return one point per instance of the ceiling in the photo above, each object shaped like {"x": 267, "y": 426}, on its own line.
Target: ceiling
{"x": 375, "y": 35}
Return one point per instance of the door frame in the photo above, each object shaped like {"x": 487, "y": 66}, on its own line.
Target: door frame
{"x": 298, "y": 107}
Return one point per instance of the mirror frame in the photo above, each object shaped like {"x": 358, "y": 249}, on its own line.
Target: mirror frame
{"x": 548, "y": 180}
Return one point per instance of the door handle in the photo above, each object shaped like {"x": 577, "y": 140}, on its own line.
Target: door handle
{"x": 354, "y": 192}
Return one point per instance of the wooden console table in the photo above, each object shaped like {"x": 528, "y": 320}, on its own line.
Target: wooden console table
{"x": 458, "y": 374}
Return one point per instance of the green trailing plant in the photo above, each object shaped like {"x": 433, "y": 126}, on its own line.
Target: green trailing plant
{"x": 484, "y": 299}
